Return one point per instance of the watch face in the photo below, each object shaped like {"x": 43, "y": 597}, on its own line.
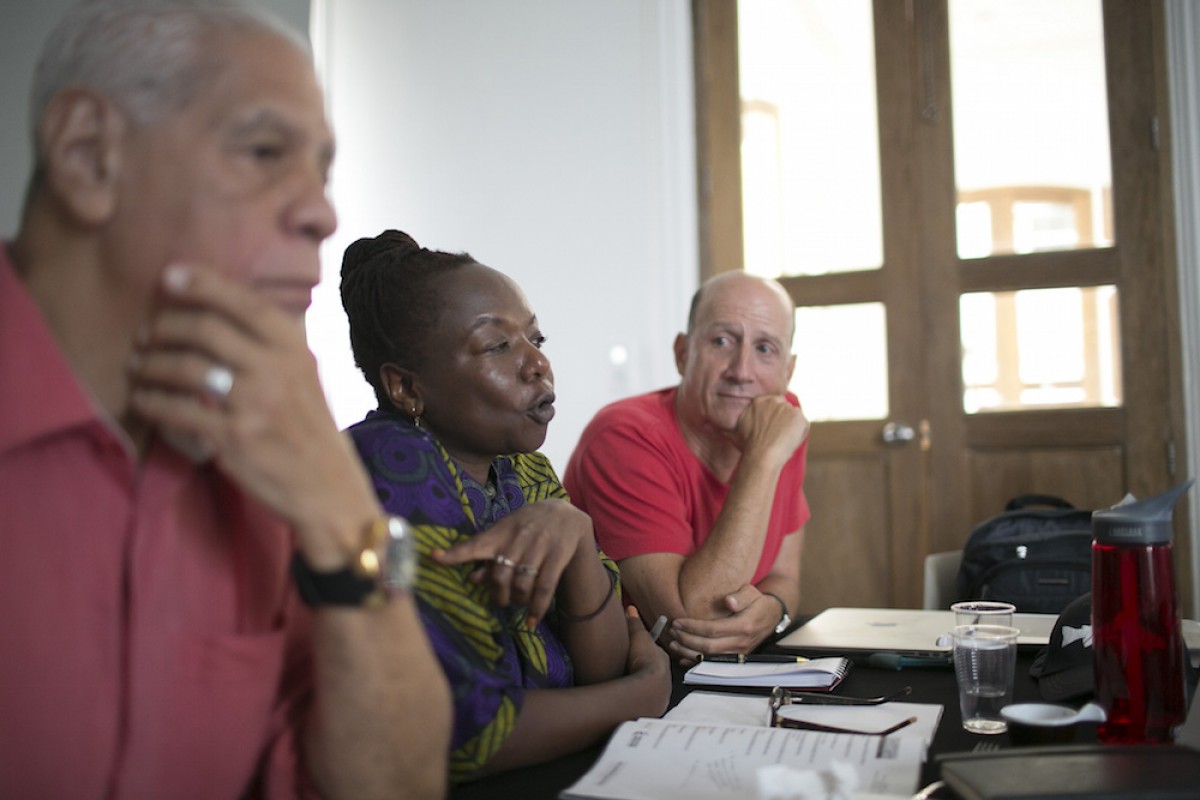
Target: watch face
{"x": 400, "y": 557}
{"x": 783, "y": 624}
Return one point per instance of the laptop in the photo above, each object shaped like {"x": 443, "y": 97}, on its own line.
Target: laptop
{"x": 903, "y": 631}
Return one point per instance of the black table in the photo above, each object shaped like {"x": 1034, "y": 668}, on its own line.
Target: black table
{"x": 929, "y": 685}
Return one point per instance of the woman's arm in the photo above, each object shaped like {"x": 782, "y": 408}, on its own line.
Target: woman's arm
{"x": 555, "y": 722}
{"x": 591, "y": 622}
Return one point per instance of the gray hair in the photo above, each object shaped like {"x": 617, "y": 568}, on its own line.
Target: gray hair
{"x": 147, "y": 56}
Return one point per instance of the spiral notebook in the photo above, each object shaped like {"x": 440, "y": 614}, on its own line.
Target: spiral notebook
{"x": 818, "y": 674}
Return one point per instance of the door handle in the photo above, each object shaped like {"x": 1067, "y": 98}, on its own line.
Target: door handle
{"x": 898, "y": 433}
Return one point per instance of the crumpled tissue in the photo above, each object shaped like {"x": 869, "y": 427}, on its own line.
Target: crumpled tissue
{"x": 780, "y": 782}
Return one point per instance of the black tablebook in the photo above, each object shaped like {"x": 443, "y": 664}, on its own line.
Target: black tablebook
{"x": 1145, "y": 772}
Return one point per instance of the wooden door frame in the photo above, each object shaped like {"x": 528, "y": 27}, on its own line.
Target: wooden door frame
{"x": 718, "y": 136}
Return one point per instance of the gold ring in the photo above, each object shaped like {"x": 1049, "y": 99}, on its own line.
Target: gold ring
{"x": 504, "y": 560}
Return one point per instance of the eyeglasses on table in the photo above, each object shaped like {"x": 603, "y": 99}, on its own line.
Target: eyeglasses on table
{"x": 781, "y": 697}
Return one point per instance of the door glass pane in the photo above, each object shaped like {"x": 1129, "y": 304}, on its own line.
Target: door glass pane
{"x": 841, "y": 362}
{"x": 1031, "y": 148}
{"x": 1040, "y": 348}
{"x": 810, "y": 137}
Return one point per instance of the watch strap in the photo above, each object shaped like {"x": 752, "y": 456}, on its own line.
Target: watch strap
{"x": 785, "y": 620}
{"x": 385, "y": 563}
{"x": 342, "y": 587}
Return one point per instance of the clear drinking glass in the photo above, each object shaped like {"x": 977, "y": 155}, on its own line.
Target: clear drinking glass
{"x": 984, "y": 659}
{"x": 983, "y": 612}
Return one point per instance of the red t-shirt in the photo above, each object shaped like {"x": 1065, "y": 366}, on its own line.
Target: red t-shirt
{"x": 646, "y": 492}
{"x": 151, "y": 644}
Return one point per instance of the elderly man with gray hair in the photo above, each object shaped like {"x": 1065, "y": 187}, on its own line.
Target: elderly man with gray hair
{"x": 169, "y": 472}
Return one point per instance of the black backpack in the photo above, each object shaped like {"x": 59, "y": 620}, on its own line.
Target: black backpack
{"x": 1038, "y": 559}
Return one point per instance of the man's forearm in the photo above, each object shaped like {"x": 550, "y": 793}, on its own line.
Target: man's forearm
{"x": 729, "y": 556}
{"x": 380, "y": 721}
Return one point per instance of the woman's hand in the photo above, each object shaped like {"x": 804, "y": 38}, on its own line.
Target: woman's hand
{"x": 525, "y": 554}
{"x": 648, "y": 660}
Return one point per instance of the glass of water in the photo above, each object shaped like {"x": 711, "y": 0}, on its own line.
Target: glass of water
{"x": 984, "y": 659}
{"x": 983, "y": 612}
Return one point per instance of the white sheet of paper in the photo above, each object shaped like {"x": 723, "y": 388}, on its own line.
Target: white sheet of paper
{"x": 659, "y": 759}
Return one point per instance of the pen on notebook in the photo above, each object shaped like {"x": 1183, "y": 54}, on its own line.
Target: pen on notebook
{"x": 659, "y": 625}
{"x": 904, "y": 723}
{"x": 742, "y": 658}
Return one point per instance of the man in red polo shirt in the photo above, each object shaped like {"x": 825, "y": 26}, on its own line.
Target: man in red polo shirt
{"x": 697, "y": 490}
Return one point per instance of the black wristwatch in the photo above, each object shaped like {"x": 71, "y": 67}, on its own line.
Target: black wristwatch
{"x": 785, "y": 621}
{"x": 385, "y": 564}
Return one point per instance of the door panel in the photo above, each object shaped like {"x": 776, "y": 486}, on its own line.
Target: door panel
{"x": 849, "y": 532}
{"x": 1086, "y": 477}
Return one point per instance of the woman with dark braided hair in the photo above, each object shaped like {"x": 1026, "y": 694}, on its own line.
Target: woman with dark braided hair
{"x": 515, "y": 597}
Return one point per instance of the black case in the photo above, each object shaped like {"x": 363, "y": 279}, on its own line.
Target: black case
{"x": 1147, "y": 772}
{"x": 1038, "y": 559}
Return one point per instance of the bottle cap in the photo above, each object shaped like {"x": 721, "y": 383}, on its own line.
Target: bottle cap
{"x": 1140, "y": 522}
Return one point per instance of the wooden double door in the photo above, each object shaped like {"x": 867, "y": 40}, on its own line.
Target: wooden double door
{"x": 949, "y": 441}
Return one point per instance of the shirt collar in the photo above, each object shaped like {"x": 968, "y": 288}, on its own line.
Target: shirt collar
{"x": 39, "y": 391}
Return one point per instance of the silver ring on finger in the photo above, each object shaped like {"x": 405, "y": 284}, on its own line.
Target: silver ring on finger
{"x": 218, "y": 381}
{"x": 505, "y": 561}
{"x": 527, "y": 569}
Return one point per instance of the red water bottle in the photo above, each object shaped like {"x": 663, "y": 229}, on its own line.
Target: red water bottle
{"x": 1137, "y": 641}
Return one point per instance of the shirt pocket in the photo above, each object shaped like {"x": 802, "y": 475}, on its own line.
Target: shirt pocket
{"x": 207, "y": 715}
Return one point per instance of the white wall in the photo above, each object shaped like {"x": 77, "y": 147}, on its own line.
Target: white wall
{"x": 21, "y": 33}
{"x": 551, "y": 139}
{"x": 1183, "y": 36}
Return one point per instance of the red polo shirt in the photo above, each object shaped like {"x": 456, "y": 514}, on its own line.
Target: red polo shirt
{"x": 150, "y": 643}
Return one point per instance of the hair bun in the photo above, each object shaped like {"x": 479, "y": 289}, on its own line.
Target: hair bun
{"x": 389, "y": 247}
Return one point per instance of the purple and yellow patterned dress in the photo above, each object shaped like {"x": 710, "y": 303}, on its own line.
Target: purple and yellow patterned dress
{"x": 489, "y": 657}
